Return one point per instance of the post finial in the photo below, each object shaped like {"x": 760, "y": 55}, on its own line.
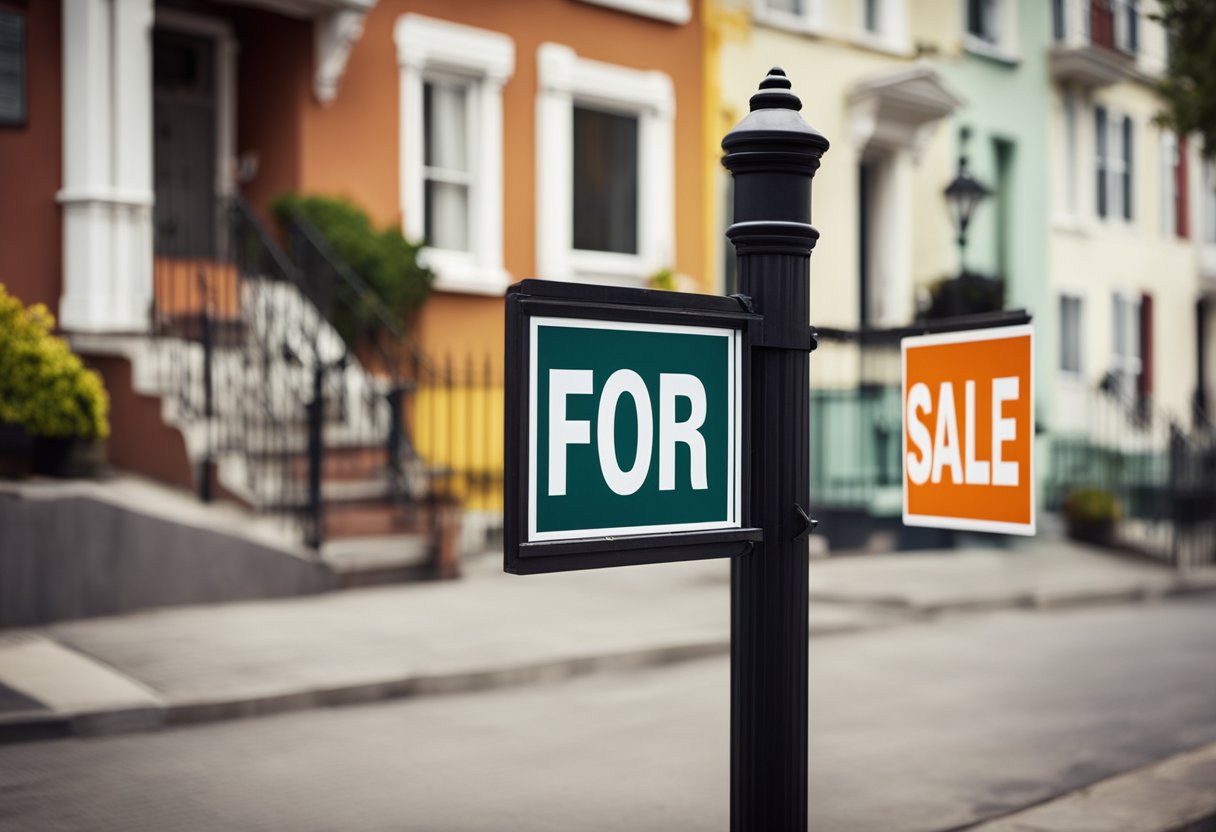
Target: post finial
{"x": 775, "y": 93}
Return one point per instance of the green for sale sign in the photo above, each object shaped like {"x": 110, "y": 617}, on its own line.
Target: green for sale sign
{"x": 630, "y": 424}
{"x": 633, "y": 428}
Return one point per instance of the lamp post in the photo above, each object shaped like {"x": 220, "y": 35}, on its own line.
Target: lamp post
{"x": 963, "y": 195}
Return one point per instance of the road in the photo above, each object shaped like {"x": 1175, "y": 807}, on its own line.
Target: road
{"x": 926, "y": 726}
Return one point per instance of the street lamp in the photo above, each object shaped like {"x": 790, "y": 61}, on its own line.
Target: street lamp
{"x": 963, "y": 195}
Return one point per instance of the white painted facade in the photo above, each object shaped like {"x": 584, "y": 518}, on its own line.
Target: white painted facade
{"x": 1103, "y": 269}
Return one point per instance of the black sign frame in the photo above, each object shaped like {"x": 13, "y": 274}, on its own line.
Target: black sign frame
{"x": 530, "y": 298}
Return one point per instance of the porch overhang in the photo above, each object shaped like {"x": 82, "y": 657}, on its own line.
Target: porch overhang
{"x": 337, "y": 26}
{"x": 898, "y": 110}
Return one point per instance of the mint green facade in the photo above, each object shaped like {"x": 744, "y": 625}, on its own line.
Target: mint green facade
{"x": 1007, "y": 114}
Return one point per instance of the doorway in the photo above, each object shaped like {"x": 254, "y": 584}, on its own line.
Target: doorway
{"x": 185, "y": 125}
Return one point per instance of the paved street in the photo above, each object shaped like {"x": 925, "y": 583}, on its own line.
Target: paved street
{"x": 924, "y": 726}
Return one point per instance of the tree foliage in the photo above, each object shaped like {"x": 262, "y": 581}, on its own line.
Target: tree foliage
{"x": 1189, "y": 85}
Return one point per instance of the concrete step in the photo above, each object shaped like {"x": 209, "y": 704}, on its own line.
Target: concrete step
{"x": 375, "y": 560}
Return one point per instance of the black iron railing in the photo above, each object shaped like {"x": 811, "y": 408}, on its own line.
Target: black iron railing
{"x": 1162, "y": 477}
{"x": 236, "y": 345}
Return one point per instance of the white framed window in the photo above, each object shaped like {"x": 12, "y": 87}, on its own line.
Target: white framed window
{"x": 605, "y": 169}
{"x": 991, "y": 28}
{"x": 671, "y": 11}
{"x": 1113, "y": 173}
{"x": 798, "y": 15}
{"x": 451, "y": 80}
{"x": 1071, "y": 334}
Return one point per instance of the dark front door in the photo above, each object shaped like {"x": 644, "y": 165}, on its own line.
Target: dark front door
{"x": 184, "y": 143}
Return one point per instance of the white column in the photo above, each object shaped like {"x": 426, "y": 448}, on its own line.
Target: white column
{"x": 554, "y": 162}
{"x": 107, "y": 154}
{"x": 489, "y": 201}
{"x": 893, "y": 256}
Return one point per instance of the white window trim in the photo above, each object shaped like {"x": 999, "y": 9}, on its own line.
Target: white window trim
{"x": 809, "y": 21}
{"x": 487, "y": 59}
{"x": 565, "y": 80}
{"x": 670, "y": 11}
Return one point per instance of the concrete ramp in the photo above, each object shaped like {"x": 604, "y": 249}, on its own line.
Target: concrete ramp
{"x": 79, "y": 549}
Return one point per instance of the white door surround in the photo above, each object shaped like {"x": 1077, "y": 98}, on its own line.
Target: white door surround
{"x": 107, "y": 165}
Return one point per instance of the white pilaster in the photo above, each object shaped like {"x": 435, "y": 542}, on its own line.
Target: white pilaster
{"x": 107, "y": 153}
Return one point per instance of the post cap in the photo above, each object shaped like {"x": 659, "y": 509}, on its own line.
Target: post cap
{"x": 773, "y": 125}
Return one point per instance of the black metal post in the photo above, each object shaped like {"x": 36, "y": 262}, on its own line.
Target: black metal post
{"x": 316, "y": 419}
{"x": 206, "y": 335}
{"x": 772, "y": 155}
{"x": 395, "y": 426}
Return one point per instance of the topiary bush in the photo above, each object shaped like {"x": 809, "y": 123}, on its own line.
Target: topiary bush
{"x": 384, "y": 259}
{"x": 44, "y": 387}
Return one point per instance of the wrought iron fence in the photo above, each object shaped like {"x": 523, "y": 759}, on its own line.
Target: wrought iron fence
{"x": 1162, "y": 478}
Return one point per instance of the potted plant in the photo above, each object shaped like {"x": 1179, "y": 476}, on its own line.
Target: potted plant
{"x": 1091, "y": 515}
{"x": 47, "y": 393}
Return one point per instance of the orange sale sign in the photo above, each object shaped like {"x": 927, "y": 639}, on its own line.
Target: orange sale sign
{"x": 968, "y": 430}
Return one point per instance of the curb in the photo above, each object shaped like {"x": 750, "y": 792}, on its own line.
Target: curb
{"x": 1168, "y": 795}
{"x": 1029, "y": 600}
{"x": 29, "y": 726}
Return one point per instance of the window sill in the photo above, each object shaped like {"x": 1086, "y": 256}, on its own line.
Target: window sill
{"x": 1115, "y": 225}
{"x": 669, "y": 11}
{"x": 1070, "y": 224}
{"x": 991, "y": 51}
{"x": 612, "y": 267}
{"x": 886, "y": 44}
{"x": 457, "y": 273}
{"x": 790, "y": 22}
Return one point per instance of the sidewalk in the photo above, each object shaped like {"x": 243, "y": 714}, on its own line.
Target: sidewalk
{"x": 192, "y": 664}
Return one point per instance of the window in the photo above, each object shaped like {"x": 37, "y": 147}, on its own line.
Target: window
{"x": 605, "y": 181}
{"x": 12, "y": 68}
{"x": 445, "y": 159}
{"x": 801, "y": 15}
{"x": 1070, "y": 334}
{"x": 451, "y": 79}
{"x": 982, "y": 20}
{"x": 1125, "y": 357}
{"x": 605, "y": 170}
{"x": 992, "y": 27}
{"x": 882, "y": 24}
{"x": 1113, "y": 155}
{"x": 872, "y": 16}
{"x": 1070, "y": 154}
{"x": 1174, "y": 219}
{"x": 1127, "y": 25}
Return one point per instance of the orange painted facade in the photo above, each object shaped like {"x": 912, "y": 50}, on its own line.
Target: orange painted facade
{"x": 352, "y": 145}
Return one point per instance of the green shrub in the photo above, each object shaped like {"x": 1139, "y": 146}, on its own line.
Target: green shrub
{"x": 384, "y": 259}
{"x": 43, "y": 386}
{"x": 1091, "y": 505}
